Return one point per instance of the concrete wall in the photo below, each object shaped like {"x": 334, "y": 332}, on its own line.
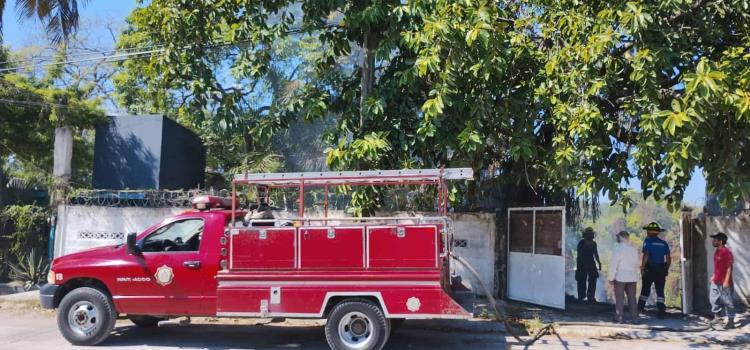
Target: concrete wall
{"x": 83, "y": 227}
{"x": 737, "y": 228}
{"x": 474, "y": 239}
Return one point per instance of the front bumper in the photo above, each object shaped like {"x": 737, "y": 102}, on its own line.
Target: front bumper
{"x": 47, "y": 296}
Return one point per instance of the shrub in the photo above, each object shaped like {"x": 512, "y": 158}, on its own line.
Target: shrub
{"x": 29, "y": 227}
{"x": 29, "y": 269}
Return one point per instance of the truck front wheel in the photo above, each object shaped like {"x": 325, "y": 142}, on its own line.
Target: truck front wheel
{"x": 357, "y": 324}
{"x": 86, "y": 316}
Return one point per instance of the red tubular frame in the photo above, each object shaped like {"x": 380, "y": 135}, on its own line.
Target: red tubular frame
{"x": 438, "y": 181}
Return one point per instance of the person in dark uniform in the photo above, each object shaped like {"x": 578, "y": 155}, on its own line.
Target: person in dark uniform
{"x": 586, "y": 266}
{"x": 654, "y": 268}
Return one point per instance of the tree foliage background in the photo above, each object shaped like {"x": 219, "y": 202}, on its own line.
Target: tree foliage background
{"x": 548, "y": 94}
{"x": 612, "y": 220}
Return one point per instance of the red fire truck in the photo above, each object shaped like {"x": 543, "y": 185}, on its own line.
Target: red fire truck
{"x": 364, "y": 275}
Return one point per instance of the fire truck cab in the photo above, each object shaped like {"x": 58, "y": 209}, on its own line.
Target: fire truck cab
{"x": 364, "y": 275}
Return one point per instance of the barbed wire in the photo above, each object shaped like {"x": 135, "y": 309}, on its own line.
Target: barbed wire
{"x": 138, "y": 198}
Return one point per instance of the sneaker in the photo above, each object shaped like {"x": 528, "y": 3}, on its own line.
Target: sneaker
{"x": 729, "y": 325}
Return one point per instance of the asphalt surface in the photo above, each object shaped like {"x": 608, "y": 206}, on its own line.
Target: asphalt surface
{"x": 35, "y": 330}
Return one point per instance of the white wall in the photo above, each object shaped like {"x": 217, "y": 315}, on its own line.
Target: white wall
{"x": 479, "y": 232}
{"x": 81, "y": 227}
{"x": 737, "y": 229}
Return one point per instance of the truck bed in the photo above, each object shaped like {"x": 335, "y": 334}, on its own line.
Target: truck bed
{"x": 296, "y": 271}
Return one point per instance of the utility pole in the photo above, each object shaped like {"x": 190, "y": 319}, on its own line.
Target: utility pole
{"x": 61, "y": 169}
{"x": 63, "y": 152}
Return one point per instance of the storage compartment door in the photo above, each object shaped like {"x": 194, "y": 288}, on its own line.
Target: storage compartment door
{"x": 332, "y": 248}
{"x": 263, "y": 248}
{"x": 403, "y": 246}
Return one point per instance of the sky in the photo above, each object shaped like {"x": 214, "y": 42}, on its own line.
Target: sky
{"x": 28, "y": 32}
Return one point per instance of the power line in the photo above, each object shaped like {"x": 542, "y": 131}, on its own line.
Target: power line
{"x": 90, "y": 53}
{"x": 110, "y": 58}
{"x": 32, "y": 103}
{"x": 134, "y": 54}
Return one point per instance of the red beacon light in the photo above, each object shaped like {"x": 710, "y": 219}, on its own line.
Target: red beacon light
{"x": 212, "y": 202}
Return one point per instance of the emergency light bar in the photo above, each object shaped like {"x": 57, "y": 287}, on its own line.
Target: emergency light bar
{"x": 212, "y": 202}
{"x": 356, "y": 177}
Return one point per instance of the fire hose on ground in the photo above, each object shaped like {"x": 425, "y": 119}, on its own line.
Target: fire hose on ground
{"x": 549, "y": 328}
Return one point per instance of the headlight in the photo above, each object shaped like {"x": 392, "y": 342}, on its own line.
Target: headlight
{"x": 51, "y": 277}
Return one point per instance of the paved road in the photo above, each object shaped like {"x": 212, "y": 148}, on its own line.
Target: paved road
{"x": 32, "y": 329}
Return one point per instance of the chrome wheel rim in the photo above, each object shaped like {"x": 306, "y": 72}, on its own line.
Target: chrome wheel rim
{"x": 356, "y": 330}
{"x": 83, "y": 318}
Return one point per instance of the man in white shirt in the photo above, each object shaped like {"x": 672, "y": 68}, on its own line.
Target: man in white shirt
{"x": 624, "y": 273}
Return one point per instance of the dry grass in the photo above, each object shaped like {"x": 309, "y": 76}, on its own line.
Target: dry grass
{"x": 532, "y": 325}
{"x": 23, "y": 305}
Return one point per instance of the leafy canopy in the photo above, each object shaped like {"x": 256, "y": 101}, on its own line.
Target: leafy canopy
{"x": 551, "y": 94}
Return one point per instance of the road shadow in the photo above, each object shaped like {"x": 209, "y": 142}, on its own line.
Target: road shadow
{"x": 284, "y": 336}
{"x": 219, "y": 336}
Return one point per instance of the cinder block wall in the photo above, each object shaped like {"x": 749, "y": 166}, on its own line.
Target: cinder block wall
{"x": 474, "y": 239}
{"x": 737, "y": 228}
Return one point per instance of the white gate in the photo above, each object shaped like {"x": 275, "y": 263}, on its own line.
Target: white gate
{"x": 536, "y": 255}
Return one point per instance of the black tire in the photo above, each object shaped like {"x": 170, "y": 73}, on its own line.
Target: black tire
{"x": 86, "y": 316}
{"x": 366, "y": 314}
{"x": 396, "y": 323}
{"x": 145, "y": 321}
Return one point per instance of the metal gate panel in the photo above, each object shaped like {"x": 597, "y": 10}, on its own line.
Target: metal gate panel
{"x": 686, "y": 259}
{"x": 536, "y": 255}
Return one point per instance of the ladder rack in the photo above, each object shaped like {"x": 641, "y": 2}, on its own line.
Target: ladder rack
{"x": 356, "y": 177}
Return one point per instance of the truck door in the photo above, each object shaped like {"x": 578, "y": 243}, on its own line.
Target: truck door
{"x": 169, "y": 277}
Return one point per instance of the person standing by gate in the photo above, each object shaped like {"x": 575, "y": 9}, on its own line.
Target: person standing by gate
{"x": 586, "y": 269}
{"x": 654, "y": 268}
{"x": 623, "y": 274}
{"x": 721, "y": 281}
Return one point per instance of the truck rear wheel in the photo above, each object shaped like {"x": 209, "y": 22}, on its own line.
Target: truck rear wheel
{"x": 86, "y": 316}
{"x": 357, "y": 324}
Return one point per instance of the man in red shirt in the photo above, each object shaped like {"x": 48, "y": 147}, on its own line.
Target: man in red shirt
{"x": 721, "y": 281}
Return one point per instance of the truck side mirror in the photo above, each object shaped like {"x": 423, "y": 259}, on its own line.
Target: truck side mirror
{"x": 131, "y": 243}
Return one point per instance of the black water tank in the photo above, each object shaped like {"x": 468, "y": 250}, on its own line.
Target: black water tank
{"x": 147, "y": 152}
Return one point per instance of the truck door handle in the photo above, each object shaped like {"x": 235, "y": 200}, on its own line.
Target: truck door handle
{"x": 192, "y": 264}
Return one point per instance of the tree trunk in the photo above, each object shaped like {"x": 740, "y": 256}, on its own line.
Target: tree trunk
{"x": 368, "y": 72}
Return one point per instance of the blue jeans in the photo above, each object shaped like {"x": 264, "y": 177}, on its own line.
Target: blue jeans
{"x": 721, "y": 299}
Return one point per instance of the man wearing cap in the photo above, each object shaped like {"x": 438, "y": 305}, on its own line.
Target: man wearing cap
{"x": 586, "y": 269}
{"x": 721, "y": 281}
{"x": 654, "y": 268}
